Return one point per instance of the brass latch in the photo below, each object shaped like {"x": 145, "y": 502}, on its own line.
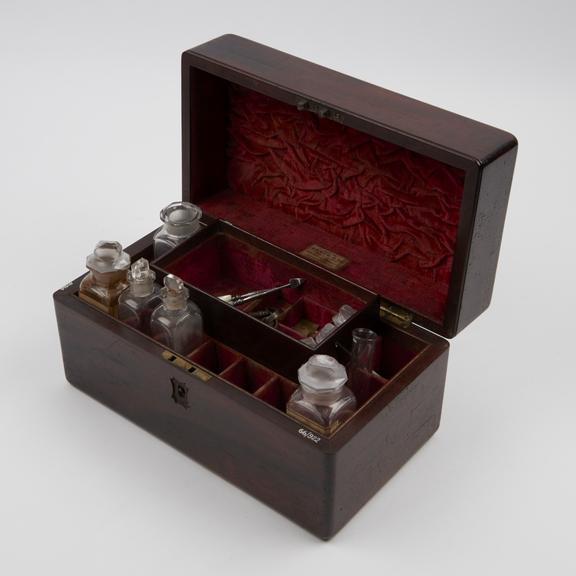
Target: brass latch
{"x": 319, "y": 109}
{"x": 395, "y": 315}
{"x": 185, "y": 365}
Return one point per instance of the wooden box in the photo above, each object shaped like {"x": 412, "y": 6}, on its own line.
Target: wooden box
{"x": 380, "y": 201}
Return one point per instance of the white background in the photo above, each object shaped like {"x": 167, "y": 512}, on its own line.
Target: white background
{"x": 90, "y": 149}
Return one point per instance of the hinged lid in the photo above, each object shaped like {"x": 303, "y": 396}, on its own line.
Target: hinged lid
{"x": 398, "y": 196}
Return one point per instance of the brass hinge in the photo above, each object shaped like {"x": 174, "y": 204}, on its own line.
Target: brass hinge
{"x": 185, "y": 365}
{"x": 395, "y": 315}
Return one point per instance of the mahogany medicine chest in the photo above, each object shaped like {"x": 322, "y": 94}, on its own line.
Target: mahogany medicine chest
{"x": 379, "y": 201}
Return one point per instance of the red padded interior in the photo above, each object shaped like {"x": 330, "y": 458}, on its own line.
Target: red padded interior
{"x": 225, "y": 265}
{"x": 295, "y": 180}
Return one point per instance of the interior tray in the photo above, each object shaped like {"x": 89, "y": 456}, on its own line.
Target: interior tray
{"x": 223, "y": 264}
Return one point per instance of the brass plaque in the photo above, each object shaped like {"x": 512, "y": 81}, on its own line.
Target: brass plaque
{"x": 325, "y": 258}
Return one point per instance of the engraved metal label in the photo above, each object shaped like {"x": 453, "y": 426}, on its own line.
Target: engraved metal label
{"x": 325, "y": 258}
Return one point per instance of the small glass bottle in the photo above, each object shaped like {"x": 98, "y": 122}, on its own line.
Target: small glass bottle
{"x": 102, "y": 286}
{"x": 343, "y": 315}
{"x": 177, "y": 322}
{"x": 181, "y": 220}
{"x": 322, "y": 402}
{"x": 362, "y": 360}
{"x": 141, "y": 298}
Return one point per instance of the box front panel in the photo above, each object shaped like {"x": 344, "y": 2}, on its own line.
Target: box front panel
{"x": 224, "y": 431}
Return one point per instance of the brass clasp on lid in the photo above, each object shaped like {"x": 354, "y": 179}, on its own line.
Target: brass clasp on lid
{"x": 319, "y": 109}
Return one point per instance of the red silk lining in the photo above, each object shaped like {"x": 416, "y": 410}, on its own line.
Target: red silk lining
{"x": 297, "y": 180}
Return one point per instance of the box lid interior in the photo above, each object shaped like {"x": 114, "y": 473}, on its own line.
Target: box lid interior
{"x": 389, "y": 212}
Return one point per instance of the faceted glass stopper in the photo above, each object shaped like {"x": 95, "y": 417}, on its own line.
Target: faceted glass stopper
{"x": 322, "y": 373}
{"x": 140, "y": 272}
{"x": 108, "y": 256}
{"x": 173, "y": 284}
{"x": 141, "y": 278}
{"x": 174, "y": 294}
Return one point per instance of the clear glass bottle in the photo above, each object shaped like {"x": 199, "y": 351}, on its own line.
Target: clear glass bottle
{"x": 362, "y": 360}
{"x": 102, "y": 286}
{"x": 141, "y": 298}
{"x": 343, "y": 315}
{"x": 323, "y": 401}
{"x": 177, "y": 322}
{"x": 181, "y": 220}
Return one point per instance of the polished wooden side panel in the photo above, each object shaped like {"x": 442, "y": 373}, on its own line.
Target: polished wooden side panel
{"x": 377, "y": 451}
{"x": 484, "y": 249}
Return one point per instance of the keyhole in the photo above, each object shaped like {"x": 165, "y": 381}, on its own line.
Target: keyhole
{"x": 179, "y": 392}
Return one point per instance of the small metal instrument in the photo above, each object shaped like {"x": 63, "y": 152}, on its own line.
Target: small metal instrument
{"x": 269, "y": 316}
{"x": 236, "y": 299}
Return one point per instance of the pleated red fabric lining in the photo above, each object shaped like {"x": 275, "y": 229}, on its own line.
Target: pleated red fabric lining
{"x": 296, "y": 179}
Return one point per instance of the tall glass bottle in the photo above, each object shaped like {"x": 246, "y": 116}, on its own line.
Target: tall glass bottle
{"x": 323, "y": 401}
{"x": 177, "y": 322}
{"x": 141, "y": 298}
{"x": 181, "y": 220}
{"x": 362, "y": 362}
{"x": 102, "y": 286}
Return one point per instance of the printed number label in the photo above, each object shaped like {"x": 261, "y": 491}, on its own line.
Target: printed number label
{"x": 307, "y": 434}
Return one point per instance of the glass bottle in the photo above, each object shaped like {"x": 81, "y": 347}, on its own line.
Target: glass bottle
{"x": 141, "y": 298}
{"x": 362, "y": 360}
{"x": 181, "y": 220}
{"x": 343, "y": 315}
{"x": 177, "y": 322}
{"x": 106, "y": 280}
{"x": 322, "y": 402}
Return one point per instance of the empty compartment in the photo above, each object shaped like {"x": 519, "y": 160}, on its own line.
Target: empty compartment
{"x": 377, "y": 383}
{"x": 396, "y": 351}
{"x": 247, "y": 375}
{"x": 214, "y": 356}
{"x": 306, "y": 317}
{"x": 277, "y": 393}
{"x": 370, "y": 387}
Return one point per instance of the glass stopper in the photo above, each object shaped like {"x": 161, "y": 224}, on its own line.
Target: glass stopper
{"x": 322, "y": 373}
{"x": 108, "y": 256}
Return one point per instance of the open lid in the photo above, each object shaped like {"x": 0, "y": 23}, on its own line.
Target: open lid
{"x": 400, "y": 197}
